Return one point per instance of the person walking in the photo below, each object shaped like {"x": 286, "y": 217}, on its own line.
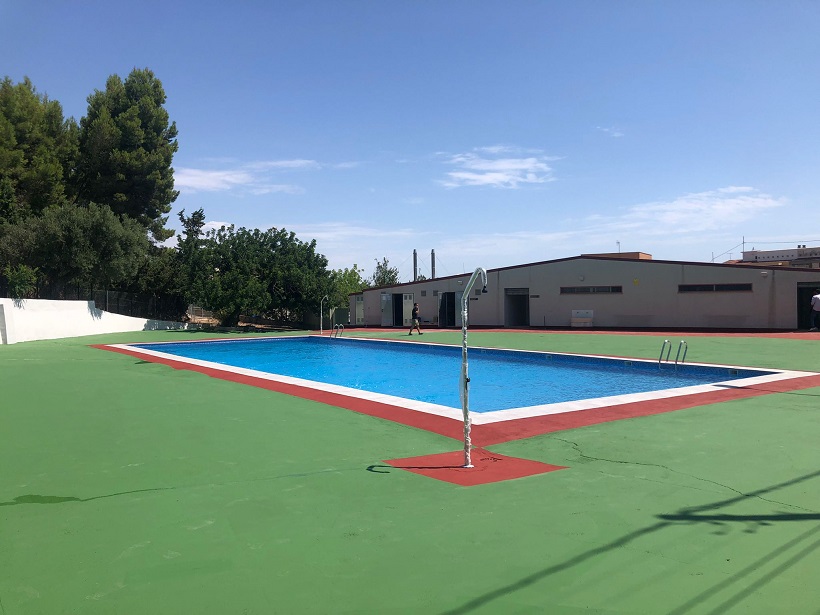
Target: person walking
{"x": 815, "y": 309}
{"x": 417, "y": 320}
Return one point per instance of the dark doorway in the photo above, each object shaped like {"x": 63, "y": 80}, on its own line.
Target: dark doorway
{"x": 805, "y": 291}
{"x": 447, "y": 310}
{"x": 398, "y": 310}
{"x": 516, "y": 307}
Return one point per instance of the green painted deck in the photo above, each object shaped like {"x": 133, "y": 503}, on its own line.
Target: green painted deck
{"x": 132, "y": 488}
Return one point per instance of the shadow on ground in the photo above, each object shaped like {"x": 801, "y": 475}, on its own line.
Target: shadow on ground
{"x": 689, "y": 516}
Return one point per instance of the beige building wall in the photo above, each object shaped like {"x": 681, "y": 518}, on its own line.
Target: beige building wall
{"x": 650, "y": 296}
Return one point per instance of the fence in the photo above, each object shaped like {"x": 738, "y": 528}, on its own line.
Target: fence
{"x": 138, "y": 305}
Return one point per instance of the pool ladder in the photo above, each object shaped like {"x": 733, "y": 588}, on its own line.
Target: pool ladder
{"x": 667, "y": 346}
{"x": 337, "y": 330}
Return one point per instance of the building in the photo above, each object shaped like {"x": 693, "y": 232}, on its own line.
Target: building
{"x": 801, "y": 257}
{"x": 604, "y": 290}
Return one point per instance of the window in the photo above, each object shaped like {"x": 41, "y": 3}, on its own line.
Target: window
{"x": 713, "y": 288}
{"x": 585, "y": 290}
{"x": 424, "y": 293}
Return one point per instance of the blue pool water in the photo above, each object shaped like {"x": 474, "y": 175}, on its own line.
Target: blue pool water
{"x": 499, "y": 379}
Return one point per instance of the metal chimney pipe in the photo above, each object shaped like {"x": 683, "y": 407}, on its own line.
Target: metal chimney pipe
{"x": 433, "y": 264}
{"x": 415, "y": 266}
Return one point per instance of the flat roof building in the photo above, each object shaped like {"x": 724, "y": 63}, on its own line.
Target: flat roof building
{"x": 629, "y": 290}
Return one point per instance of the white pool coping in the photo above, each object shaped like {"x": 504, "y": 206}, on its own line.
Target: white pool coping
{"x": 484, "y": 418}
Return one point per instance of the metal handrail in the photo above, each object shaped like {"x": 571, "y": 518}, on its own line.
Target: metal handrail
{"x": 685, "y": 347}
{"x": 337, "y": 330}
{"x": 667, "y": 345}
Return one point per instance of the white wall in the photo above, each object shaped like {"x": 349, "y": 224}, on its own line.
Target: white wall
{"x": 25, "y": 320}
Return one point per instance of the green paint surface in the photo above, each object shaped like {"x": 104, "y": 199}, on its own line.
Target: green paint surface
{"x": 130, "y": 487}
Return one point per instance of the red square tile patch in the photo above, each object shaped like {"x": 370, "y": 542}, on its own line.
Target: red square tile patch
{"x": 488, "y": 467}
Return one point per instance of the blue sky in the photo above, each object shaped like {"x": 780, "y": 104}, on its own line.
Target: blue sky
{"x": 495, "y": 132}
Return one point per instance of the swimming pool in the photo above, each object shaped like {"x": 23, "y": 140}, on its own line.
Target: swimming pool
{"x": 505, "y": 384}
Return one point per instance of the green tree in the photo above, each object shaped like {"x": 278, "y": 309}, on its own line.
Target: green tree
{"x": 192, "y": 257}
{"x": 159, "y": 273}
{"x": 38, "y": 152}
{"x": 127, "y": 146}
{"x": 384, "y": 275}
{"x": 236, "y": 272}
{"x": 22, "y": 281}
{"x": 344, "y": 283}
{"x": 299, "y": 275}
{"x": 85, "y": 246}
{"x": 232, "y": 282}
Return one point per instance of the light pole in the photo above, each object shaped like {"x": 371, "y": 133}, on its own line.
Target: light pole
{"x": 322, "y": 313}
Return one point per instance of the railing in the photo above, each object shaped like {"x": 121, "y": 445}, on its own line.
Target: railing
{"x": 337, "y": 330}
{"x": 667, "y": 346}
{"x": 685, "y": 347}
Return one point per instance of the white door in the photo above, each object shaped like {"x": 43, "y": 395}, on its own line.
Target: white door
{"x": 387, "y": 310}
{"x": 359, "y": 310}
{"x": 407, "y": 309}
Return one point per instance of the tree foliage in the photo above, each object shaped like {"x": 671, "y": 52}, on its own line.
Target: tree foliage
{"x": 38, "y": 152}
{"x": 78, "y": 202}
{"x": 384, "y": 274}
{"x": 236, "y": 272}
{"x": 344, "y": 283}
{"x": 22, "y": 281}
{"x": 126, "y": 148}
{"x": 88, "y": 246}
{"x": 191, "y": 256}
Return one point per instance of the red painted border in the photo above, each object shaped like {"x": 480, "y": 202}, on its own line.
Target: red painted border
{"x": 429, "y": 422}
{"x": 494, "y": 433}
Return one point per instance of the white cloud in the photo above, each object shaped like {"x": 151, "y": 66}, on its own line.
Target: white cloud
{"x": 612, "y": 132}
{"x": 214, "y": 225}
{"x": 254, "y": 177}
{"x": 701, "y": 211}
{"x": 285, "y": 164}
{"x": 340, "y": 232}
{"x": 271, "y": 188}
{"x": 201, "y": 180}
{"x": 487, "y": 168}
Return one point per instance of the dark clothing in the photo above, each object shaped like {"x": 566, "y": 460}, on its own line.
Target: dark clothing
{"x": 416, "y": 321}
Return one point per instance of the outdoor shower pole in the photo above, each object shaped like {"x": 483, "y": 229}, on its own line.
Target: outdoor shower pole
{"x": 321, "y": 313}
{"x": 465, "y": 379}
